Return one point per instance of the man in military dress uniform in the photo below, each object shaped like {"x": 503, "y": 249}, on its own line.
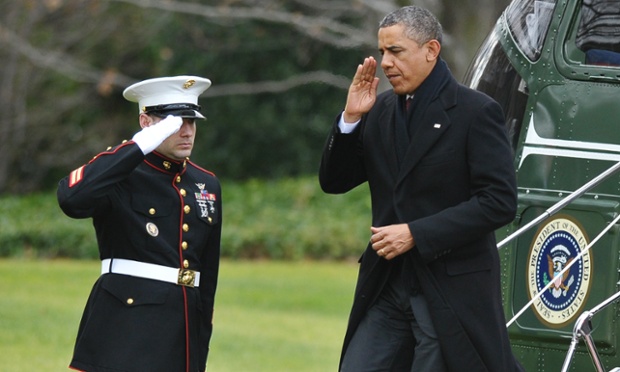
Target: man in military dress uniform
{"x": 158, "y": 220}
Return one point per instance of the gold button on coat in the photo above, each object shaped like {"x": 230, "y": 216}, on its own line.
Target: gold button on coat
{"x": 178, "y": 179}
{"x": 187, "y": 209}
{"x": 183, "y": 192}
{"x": 185, "y": 264}
{"x": 185, "y": 227}
{"x": 129, "y": 301}
{"x": 184, "y": 245}
{"x": 152, "y": 211}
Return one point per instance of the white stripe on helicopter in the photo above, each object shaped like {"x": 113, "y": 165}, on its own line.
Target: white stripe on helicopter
{"x": 537, "y": 145}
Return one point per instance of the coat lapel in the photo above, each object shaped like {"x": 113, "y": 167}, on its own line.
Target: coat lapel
{"x": 386, "y": 120}
{"x": 433, "y": 124}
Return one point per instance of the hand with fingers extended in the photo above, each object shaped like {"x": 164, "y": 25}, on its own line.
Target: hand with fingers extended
{"x": 392, "y": 240}
{"x": 149, "y": 138}
{"x": 362, "y": 91}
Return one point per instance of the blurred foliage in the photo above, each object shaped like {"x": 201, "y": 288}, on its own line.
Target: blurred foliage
{"x": 288, "y": 140}
{"x": 280, "y": 69}
{"x": 34, "y": 226}
{"x": 287, "y": 219}
{"x": 60, "y": 122}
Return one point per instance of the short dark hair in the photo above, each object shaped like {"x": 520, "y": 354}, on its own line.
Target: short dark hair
{"x": 420, "y": 24}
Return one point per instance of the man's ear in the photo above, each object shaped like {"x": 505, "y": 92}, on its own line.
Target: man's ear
{"x": 433, "y": 49}
{"x": 145, "y": 121}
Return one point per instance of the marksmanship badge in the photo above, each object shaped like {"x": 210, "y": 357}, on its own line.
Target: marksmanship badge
{"x": 152, "y": 229}
{"x": 205, "y": 201}
{"x": 556, "y": 244}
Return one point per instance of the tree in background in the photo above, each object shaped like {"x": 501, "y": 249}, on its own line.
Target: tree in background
{"x": 280, "y": 70}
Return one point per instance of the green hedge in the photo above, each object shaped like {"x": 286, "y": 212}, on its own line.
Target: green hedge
{"x": 285, "y": 219}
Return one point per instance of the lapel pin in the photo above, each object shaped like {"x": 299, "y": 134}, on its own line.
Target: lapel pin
{"x": 437, "y": 126}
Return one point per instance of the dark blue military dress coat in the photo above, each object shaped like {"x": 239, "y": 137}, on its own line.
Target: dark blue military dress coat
{"x": 153, "y": 210}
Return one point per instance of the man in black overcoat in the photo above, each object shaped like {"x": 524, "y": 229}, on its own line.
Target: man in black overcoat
{"x": 158, "y": 220}
{"x": 441, "y": 178}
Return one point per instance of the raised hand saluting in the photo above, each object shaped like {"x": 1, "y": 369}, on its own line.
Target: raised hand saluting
{"x": 362, "y": 92}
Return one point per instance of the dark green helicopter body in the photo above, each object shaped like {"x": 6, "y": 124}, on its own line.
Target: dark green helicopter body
{"x": 554, "y": 66}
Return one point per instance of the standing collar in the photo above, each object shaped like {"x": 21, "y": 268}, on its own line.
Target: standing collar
{"x": 165, "y": 164}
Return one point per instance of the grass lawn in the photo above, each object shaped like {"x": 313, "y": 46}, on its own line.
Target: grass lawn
{"x": 269, "y": 316}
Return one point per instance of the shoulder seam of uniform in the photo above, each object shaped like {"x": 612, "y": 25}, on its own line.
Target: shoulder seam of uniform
{"x": 201, "y": 168}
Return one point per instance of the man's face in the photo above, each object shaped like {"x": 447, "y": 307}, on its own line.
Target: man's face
{"x": 405, "y": 63}
{"x": 179, "y": 145}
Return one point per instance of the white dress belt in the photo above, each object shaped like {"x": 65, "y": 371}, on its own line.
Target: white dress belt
{"x": 146, "y": 270}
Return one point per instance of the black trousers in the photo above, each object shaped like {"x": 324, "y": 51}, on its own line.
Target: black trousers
{"x": 396, "y": 334}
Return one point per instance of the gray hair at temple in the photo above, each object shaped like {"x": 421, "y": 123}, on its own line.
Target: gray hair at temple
{"x": 421, "y": 25}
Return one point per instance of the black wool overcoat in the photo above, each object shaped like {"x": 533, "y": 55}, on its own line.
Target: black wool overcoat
{"x": 454, "y": 187}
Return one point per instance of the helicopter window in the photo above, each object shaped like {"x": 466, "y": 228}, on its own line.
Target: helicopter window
{"x": 529, "y": 21}
{"x": 492, "y": 73}
{"x": 598, "y": 34}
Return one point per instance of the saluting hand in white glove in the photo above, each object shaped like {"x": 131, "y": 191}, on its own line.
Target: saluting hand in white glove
{"x": 150, "y": 137}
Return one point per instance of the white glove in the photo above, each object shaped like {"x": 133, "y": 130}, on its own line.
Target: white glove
{"x": 150, "y": 137}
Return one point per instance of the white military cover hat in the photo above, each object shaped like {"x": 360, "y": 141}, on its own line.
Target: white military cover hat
{"x": 174, "y": 95}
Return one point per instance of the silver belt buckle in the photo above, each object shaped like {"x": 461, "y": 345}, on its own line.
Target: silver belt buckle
{"x": 186, "y": 278}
